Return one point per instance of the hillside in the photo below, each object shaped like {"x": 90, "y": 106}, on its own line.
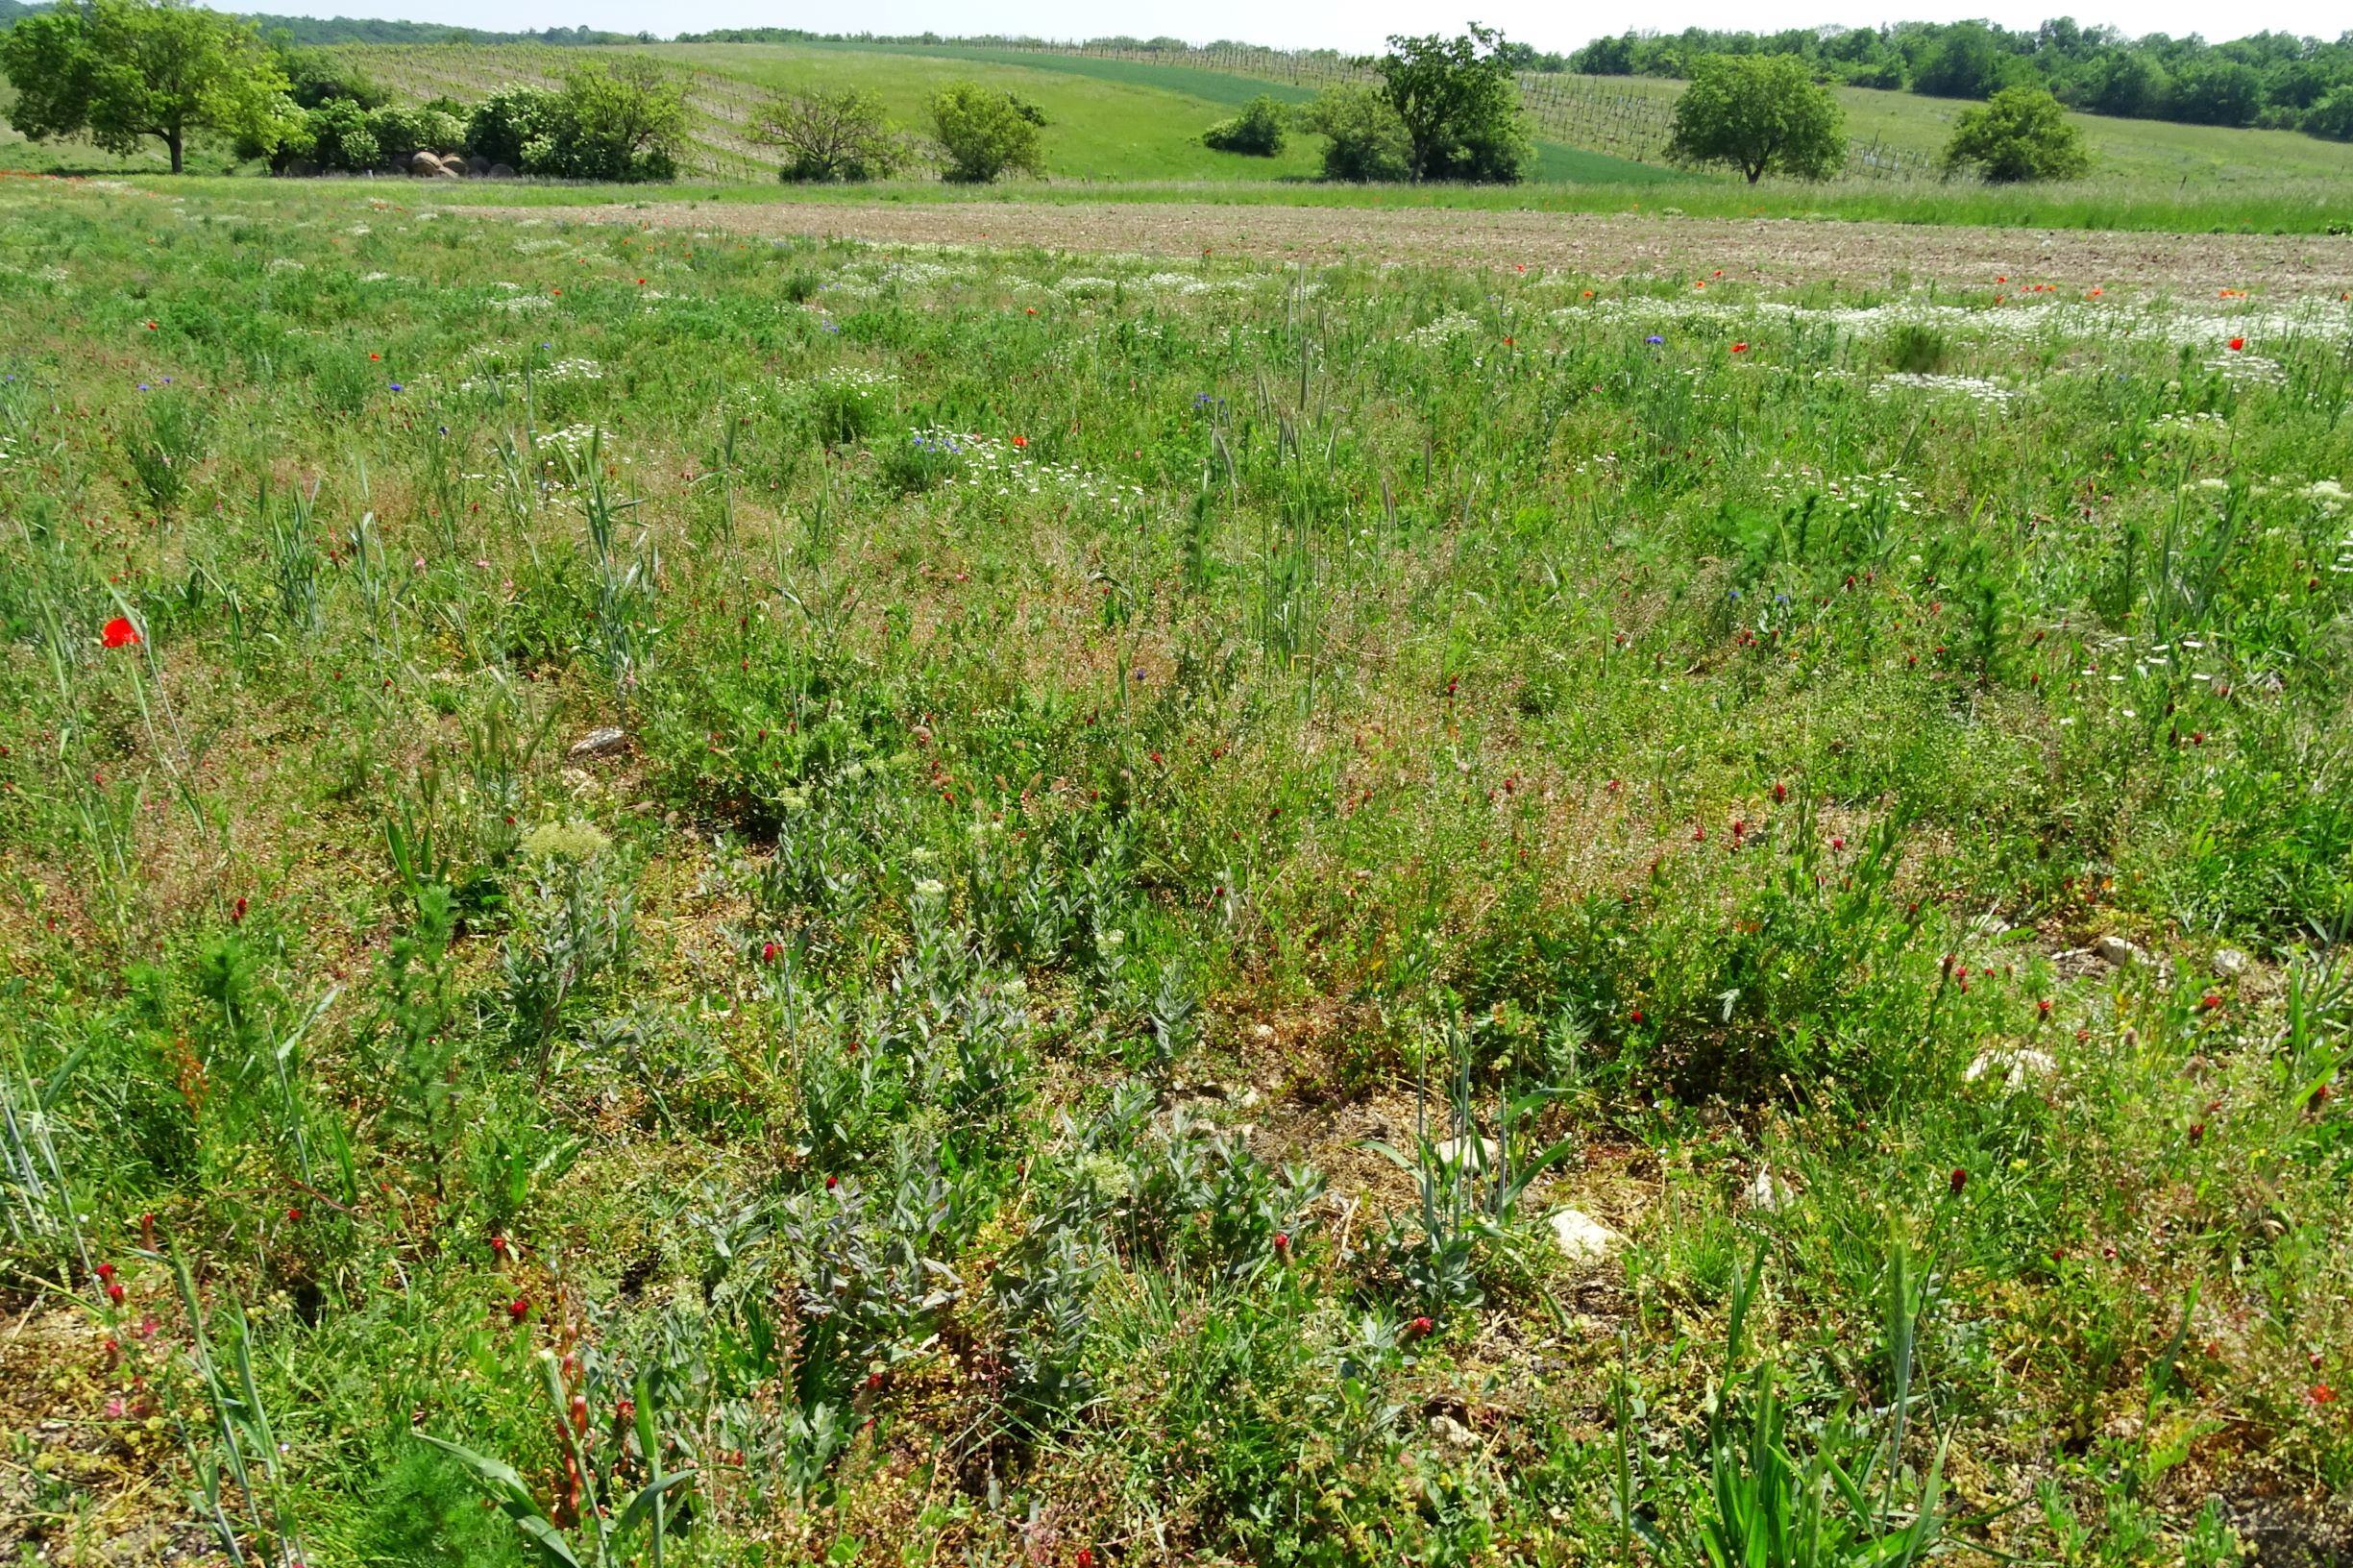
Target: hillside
{"x": 1106, "y": 119}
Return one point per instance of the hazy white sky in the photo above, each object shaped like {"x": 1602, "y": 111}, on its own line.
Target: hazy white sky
{"x": 1356, "y": 26}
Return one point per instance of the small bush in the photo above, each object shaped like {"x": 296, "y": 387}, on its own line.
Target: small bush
{"x": 923, "y": 463}
{"x": 1368, "y": 141}
{"x": 2020, "y": 134}
{"x": 1918, "y": 350}
{"x": 1257, "y": 131}
{"x": 985, "y": 133}
{"x": 829, "y": 135}
{"x": 337, "y": 136}
{"x": 402, "y": 129}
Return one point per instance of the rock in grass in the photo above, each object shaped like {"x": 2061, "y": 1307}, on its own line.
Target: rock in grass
{"x": 2115, "y": 950}
{"x": 1580, "y": 1237}
{"x": 1469, "y": 1153}
{"x": 2017, "y": 1065}
{"x": 2229, "y": 963}
{"x": 423, "y": 165}
{"x": 1768, "y": 1194}
{"x": 601, "y": 742}
{"x": 1453, "y": 1433}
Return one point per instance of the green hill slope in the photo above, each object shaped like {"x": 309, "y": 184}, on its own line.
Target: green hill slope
{"x": 1106, "y": 119}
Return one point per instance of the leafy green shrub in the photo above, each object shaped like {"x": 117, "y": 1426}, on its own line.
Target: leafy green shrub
{"x": 1368, "y": 140}
{"x": 402, "y": 129}
{"x": 1257, "y": 131}
{"x": 985, "y": 133}
{"x": 337, "y": 138}
{"x": 624, "y": 122}
{"x": 2020, "y": 134}
{"x": 509, "y": 120}
{"x": 2332, "y": 117}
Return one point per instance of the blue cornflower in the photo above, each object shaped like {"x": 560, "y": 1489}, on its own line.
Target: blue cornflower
{"x": 1654, "y": 338}
{"x": 395, "y": 386}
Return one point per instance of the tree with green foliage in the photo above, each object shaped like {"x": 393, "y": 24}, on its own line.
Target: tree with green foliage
{"x": 1367, "y": 142}
{"x": 337, "y": 138}
{"x": 313, "y": 76}
{"x": 624, "y": 122}
{"x": 986, "y": 131}
{"x": 1760, "y": 114}
{"x": 1459, "y": 105}
{"x": 1257, "y": 131}
{"x": 120, "y": 71}
{"x": 2020, "y": 134}
{"x": 503, "y": 124}
{"x": 402, "y": 129}
{"x": 2216, "y": 92}
{"x": 2332, "y": 117}
{"x": 832, "y": 134}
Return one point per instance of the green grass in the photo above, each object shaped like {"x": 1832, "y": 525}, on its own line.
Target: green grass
{"x": 1120, "y": 761}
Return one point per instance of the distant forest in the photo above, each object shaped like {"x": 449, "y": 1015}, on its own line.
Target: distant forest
{"x": 316, "y": 30}
{"x": 2272, "y": 79}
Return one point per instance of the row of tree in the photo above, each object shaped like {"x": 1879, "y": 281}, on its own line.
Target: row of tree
{"x": 1763, "y": 114}
{"x": 120, "y": 73}
{"x": 2278, "y": 80}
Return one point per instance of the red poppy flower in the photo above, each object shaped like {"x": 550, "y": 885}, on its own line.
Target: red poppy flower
{"x": 2238, "y": 343}
{"x": 119, "y": 632}
{"x": 1740, "y": 347}
{"x": 1020, "y": 440}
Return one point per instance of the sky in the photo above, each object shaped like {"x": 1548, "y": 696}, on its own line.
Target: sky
{"x": 1356, "y": 26}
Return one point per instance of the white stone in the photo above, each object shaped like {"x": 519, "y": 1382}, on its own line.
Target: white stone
{"x": 1469, "y": 1153}
{"x": 601, "y": 742}
{"x": 2115, "y": 950}
{"x": 1766, "y": 1192}
{"x": 2229, "y": 962}
{"x": 1453, "y": 1432}
{"x": 2015, "y": 1063}
{"x": 1580, "y": 1237}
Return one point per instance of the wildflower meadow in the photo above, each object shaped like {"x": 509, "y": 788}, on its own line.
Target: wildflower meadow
{"x": 689, "y": 898}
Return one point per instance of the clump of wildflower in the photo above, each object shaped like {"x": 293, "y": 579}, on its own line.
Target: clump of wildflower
{"x": 572, "y": 840}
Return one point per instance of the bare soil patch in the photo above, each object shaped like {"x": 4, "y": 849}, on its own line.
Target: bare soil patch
{"x": 1778, "y": 250}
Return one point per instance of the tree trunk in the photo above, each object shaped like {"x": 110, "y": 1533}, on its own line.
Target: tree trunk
{"x": 173, "y": 139}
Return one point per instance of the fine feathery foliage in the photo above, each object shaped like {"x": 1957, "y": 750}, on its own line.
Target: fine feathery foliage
{"x": 118, "y": 72}
{"x": 1760, "y": 114}
{"x": 985, "y": 133}
{"x": 832, "y": 134}
{"x": 2019, "y": 133}
{"x": 1257, "y": 131}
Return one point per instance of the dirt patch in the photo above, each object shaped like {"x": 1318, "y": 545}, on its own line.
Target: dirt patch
{"x": 1776, "y": 251}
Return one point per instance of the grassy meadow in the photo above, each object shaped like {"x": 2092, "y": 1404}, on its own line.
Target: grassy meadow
{"x": 776, "y": 902}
